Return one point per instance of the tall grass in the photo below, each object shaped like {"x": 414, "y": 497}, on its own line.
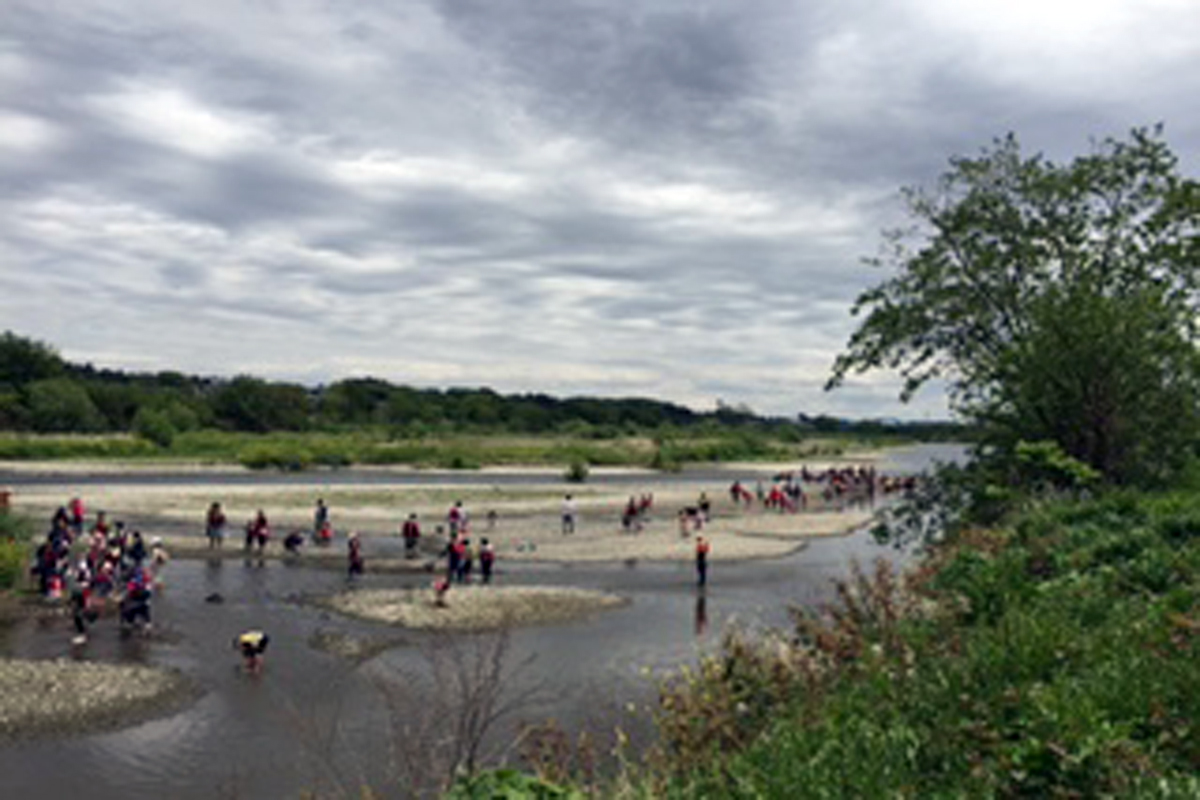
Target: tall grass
{"x": 286, "y": 450}
{"x": 21, "y": 447}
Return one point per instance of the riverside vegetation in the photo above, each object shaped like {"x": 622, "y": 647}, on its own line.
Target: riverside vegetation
{"x": 575, "y": 453}
{"x": 51, "y": 408}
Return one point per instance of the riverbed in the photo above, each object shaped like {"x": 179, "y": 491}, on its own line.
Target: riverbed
{"x": 314, "y": 717}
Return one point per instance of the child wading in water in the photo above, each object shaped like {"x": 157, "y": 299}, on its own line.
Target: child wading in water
{"x": 253, "y": 645}
{"x": 487, "y": 559}
{"x": 411, "y": 531}
{"x": 701, "y": 561}
{"x": 355, "y": 555}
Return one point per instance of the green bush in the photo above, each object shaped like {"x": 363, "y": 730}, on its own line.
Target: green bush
{"x": 15, "y": 527}
{"x": 459, "y": 461}
{"x": 14, "y": 563}
{"x": 508, "y": 784}
{"x": 16, "y": 531}
{"x": 154, "y": 426}
{"x": 665, "y": 460}
{"x": 576, "y": 472}
{"x": 275, "y": 456}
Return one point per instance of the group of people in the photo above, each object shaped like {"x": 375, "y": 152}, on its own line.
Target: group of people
{"x": 837, "y": 486}
{"x": 635, "y": 513}
{"x": 258, "y": 534}
{"x": 90, "y": 569}
{"x": 462, "y": 556}
{"x": 786, "y": 494}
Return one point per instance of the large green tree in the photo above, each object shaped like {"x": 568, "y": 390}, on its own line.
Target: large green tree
{"x": 1058, "y": 301}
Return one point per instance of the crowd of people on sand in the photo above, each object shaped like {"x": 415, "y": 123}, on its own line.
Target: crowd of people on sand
{"x": 836, "y": 487}
{"x": 94, "y": 567}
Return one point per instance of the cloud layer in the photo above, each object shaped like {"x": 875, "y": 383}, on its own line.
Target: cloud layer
{"x": 586, "y": 196}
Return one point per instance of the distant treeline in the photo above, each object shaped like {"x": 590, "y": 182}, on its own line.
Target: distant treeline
{"x": 41, "y": 392}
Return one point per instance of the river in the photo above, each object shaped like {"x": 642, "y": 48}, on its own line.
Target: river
{"x": 276, "y": 734}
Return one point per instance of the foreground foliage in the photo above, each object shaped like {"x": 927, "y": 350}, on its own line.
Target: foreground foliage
{"x": 15, "y": 534}
{"x": 1053, "y": 658}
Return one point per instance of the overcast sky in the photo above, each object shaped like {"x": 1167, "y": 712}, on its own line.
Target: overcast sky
{"x": 612, "y": 197}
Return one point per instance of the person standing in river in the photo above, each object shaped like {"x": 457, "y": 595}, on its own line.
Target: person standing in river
{"x": 354, "y": 547}
{"x": 487, "y": 560}
{"x": 214, "y": 526}
{"x": 456, "y": 519}
{"x": 569, "y": 512}
{"x": 411, "y": 531}
{"x": 702, "y": 548}
{"x": 320, "y": 517}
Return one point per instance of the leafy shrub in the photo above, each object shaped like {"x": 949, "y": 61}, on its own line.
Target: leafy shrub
{"x": 1044, "y": 465}
{"x": 15, "y": 533}
{"x": 458, "y": 461}
{"x": 14, "y": 561}
{"x": 15, "y": 527}
{"x": 665, "y": 460}
{"x": 274, "y": 456}
{"x": 1179, "y": 528}
{"x": 154, "y": 426}
{"x": 576, "y": 472}
{"x": 333, "y": 459}
{"x": 508, "y": 784}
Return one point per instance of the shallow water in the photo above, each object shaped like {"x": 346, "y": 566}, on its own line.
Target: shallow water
{"x": 275, "y": 735}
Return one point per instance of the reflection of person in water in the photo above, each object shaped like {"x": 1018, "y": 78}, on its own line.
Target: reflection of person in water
{"x": 701, "y": 615}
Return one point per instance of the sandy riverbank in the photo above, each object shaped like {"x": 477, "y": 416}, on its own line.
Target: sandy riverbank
{"x": 472, "y": 607}
{"x": 527, "y": 516}
{"x": 48, "y": 698}
{"x": 540, "y": 538}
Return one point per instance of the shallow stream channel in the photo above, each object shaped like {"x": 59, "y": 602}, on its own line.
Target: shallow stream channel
{"x": 316, "y": 716}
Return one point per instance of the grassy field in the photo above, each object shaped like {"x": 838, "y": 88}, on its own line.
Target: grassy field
{"x": 452, "y": 451}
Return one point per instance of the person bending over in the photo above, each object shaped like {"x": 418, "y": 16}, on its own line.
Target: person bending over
{"x": 253, "y": 645}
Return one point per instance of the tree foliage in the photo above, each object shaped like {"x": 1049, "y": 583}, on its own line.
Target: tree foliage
{"x": 61, "y": 404}
{"x": 25, "y": 360}
{"x": 1058, "y": 301}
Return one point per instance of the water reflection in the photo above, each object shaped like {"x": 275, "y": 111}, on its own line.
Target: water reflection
{"x": 701, "y": 623}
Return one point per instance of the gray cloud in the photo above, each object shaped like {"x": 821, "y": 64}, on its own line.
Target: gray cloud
{"x": 664, "y": 198}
